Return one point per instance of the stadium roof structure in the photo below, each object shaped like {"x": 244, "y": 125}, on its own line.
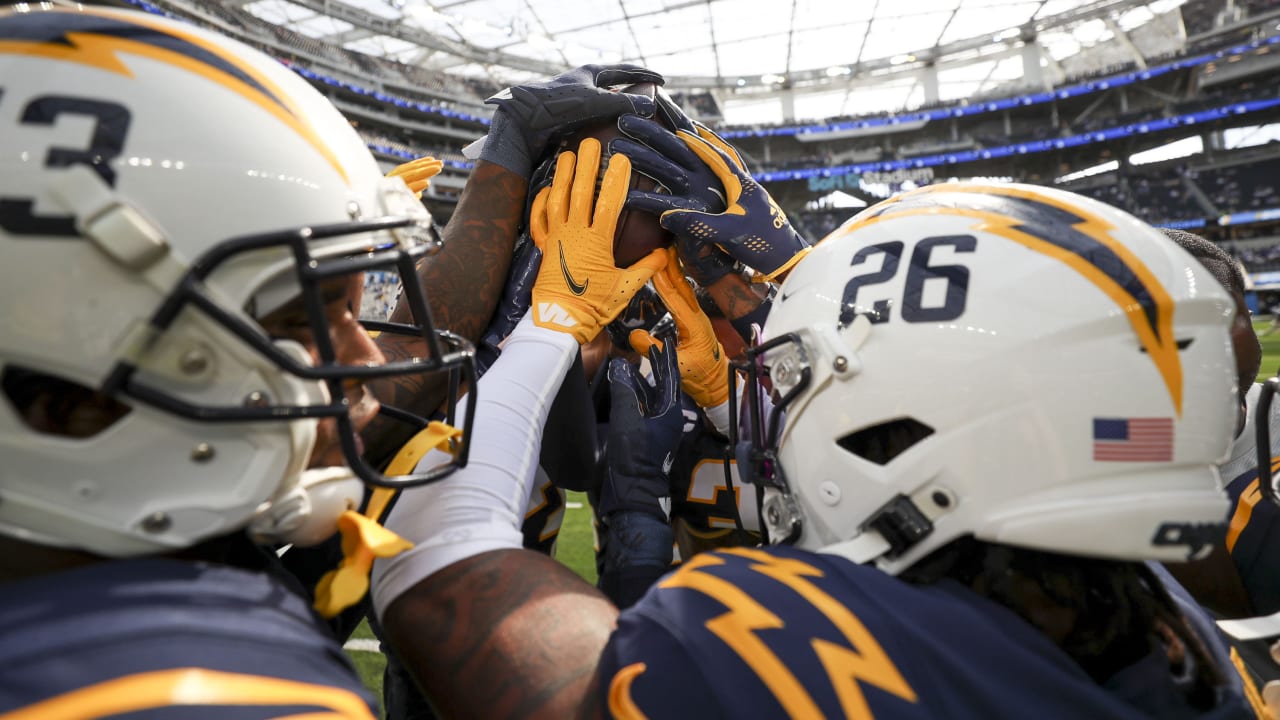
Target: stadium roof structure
{"x": 826, "y": 57}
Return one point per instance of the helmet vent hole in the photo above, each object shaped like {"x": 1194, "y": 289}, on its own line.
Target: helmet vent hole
{"x": 54, "y": 406}
{"x": 882, "y": 443}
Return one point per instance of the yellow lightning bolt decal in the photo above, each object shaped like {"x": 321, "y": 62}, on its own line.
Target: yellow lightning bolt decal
{"x": 104, "y": 52}
{"x": 1158, "y": 341}
{"x": 862, "y": 661}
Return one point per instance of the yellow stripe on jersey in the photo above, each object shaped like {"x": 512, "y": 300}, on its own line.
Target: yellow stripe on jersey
{"x": 1256, "y": 703}
{"x": 193, "y": 686}
{"x": 1243, "y": 512}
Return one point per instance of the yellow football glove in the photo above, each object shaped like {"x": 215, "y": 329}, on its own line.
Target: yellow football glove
{"x": 417, "y": 174}
{"x": 578, "y": 289}
{"x": 704, "y": 369}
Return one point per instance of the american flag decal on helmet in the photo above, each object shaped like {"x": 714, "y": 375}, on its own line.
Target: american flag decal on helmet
{"x": 1133, "y": 439}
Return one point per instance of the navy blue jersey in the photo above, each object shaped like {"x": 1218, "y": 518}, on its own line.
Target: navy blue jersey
{"x": 545, "y": 515}
{"x": 1253, "y": 534}
{"x": 699, "y": 491}
{"x": 779, "y": 632}
{"x": 168, "y": 639}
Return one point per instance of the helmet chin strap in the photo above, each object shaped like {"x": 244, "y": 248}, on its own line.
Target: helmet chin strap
{"x": 897, "y": 526}
{"x": 305, "y": 510}
{"x": 864, "y": 548}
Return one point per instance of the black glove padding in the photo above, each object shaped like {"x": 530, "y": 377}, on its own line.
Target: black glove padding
{"x": 645, "y": 424}
{"x": 572, "y": 100}
{"x": 517, "y": 296}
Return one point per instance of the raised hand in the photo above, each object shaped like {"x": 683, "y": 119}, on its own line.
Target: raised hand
{"x": 704, "y": 368}
{"x": 531, "y": 115}
{"x": 645, "y": 424}
{"x": 689, "y": 183}
{"x": 514, "y": 304}
{"x": 578, "y": 290}
{"x": 417, "y": 174}
{"x": 752, "y": 229}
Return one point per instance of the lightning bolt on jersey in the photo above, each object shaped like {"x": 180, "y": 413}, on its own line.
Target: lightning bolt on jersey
{"x": 167, "y": 639}
{"x": 779, "y": 632}
{"x": 1253, "y": 533}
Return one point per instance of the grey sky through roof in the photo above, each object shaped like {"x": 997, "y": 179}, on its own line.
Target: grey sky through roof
{"x": 765, "y": 59}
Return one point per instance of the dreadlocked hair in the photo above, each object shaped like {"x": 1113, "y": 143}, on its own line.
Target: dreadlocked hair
{"x": 1105, "y": 614}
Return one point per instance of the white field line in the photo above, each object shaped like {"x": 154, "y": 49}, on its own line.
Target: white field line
{"x": 363, "y": 645}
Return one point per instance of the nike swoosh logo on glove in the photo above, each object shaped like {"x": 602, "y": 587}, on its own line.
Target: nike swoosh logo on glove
{"x": 574, "y": 287}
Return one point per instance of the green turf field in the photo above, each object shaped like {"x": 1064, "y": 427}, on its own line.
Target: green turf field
{"x": 574, "y": 548}
{"x": 1270, "y": 349}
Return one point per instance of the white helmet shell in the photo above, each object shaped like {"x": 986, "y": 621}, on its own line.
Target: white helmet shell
{"x": 1063, "y": 371}
{"x": 134, "y": 147}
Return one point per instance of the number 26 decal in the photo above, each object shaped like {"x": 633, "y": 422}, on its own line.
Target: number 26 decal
{"x": 919, "y": 270}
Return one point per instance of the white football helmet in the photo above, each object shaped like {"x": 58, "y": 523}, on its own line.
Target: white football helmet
{"x": 1015, "y": 363}
{"x": 161, "y": 189}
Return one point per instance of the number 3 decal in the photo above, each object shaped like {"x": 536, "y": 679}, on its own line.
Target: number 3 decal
{"x": 111, "y": 122}
{"x": 918, "y": 272}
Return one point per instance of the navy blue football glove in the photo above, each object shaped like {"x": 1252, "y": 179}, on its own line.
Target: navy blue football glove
{"x": 530, "y": 116}
{"x": 671, "y": 114}
{"x": 690, "y": 184}
{"x": 752, "y": 230}
{"x": 663, "y": 156}
{"x": 642, "y": 313}
{"x": 645, "y": 424}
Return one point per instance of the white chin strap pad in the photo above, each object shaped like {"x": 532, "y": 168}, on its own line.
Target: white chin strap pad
{"x": 308, "y": 513}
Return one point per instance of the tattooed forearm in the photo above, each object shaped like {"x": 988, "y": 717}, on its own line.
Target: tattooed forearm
{"x": 465, "y": 279}
{"x": 525, "y": 643}
{"x": 463, "y": 282}
{"x": 736, "y": 296}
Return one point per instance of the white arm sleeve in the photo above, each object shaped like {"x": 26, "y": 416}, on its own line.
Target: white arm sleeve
{"x": 481, "y": 507}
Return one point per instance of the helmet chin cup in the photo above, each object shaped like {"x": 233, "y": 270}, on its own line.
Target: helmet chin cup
{"x": 306, "y": 507}
{"x": 307, "y": 513}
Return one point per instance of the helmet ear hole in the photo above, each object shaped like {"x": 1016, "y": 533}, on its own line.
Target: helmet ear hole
{"x": 54, "y": 406}
{"x": 880, "y": 444}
